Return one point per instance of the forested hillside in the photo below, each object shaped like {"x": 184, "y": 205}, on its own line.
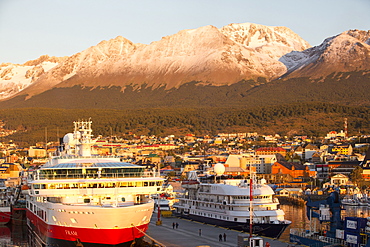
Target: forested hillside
{"x": 352, "y": 88}
{"x": 312, "y": 119}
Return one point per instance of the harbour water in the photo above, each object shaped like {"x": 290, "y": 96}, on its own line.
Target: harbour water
{"x": 299, "y": 219}
{"x": 17, "y": 235}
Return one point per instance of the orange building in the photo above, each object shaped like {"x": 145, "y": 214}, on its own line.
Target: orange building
{"x": 296, "y": 170}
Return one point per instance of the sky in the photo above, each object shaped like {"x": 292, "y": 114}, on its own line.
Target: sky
{"x": 31, "y": 28}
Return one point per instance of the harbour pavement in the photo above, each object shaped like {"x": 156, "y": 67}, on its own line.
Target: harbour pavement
{"x": 188, "y": 235}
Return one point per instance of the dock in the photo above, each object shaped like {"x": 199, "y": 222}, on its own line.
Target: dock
{"x": 187, "y": 234}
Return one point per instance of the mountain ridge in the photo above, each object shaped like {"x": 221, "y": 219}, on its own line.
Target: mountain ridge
{"x": 206, "y": 54}
{"x": 200, "y": 58}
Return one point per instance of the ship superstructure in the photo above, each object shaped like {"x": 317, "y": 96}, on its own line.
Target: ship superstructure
{"x": 78, "y": 198}
{"x": 228, "y": 203}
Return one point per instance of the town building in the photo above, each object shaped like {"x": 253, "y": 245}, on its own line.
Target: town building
{"x": 271, "y": 150}
{"x": 344, "y": 149}
{"x": 36, "y": 152}
{"x": 297, "y": 170}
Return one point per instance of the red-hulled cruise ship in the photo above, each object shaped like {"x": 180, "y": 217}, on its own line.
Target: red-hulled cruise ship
{"x": 80, "y": 199}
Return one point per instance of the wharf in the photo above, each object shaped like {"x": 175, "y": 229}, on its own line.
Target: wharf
{"x": 187, "y": 234}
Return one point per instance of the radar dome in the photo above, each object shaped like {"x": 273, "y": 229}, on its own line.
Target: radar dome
{"x": 68, "y": 138}
{"x": 219, "y": 169}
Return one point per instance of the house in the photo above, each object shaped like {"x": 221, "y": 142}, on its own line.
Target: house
{"x": 289, "y": 191}
{"x": 270, "y": 150}
{"x": 189, "y": 167}
{"x": 241, "y": 165}
{"x": 365, "y": 165}
{"x": 306, "y": 152}
{"x": 167, "y": 170}
{"x": 296, "y": 170}
{"x": 342, "y": 167}
{"x": 11, "y": 174}
{"x": 281, "y": 179}
{"x": 316, "y": 158}
{"x": 339, "y": 180}
{"x": 36, "y": 152}
{"x": 345, "y": 149}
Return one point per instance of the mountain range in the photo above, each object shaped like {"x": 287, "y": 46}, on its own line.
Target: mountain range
{"x": 236, "y": 65}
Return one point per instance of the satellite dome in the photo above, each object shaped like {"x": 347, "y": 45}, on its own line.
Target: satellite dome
{"x": 77, "y": 135}
{"x": 68, "y": 138}
{"x": 219, "y": 169}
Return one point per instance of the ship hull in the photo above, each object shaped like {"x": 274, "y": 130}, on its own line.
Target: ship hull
{"x": 260, "y": 229}
{"x": 5, "y": 215}
{"x": 120, "y": 226}
{"x": 52, "y": 235}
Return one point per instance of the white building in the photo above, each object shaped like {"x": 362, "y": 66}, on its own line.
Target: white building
{"x": 243, "y": 161}
{"x": 267, "y": 161}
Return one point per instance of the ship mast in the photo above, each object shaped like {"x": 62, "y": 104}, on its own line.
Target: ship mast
{"x": 82, "y": 134}
{"x": 250, "y": 201}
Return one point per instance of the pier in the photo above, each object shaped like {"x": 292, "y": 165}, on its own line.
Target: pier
{"x": 187, "y": 234}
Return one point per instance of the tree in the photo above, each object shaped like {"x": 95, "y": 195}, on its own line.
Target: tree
{"x": 356, "y": 175}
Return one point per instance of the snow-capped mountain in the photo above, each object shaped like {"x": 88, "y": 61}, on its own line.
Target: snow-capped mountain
{"x": 16, "y": 77}
{"x": 273, "y": 41}
{"x": 208, "y": 55}
{"x": 88, "y": 62}
{"x": 348, "y": 51}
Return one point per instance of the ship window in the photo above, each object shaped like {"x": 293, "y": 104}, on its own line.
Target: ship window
{"x": 51, "y": 186}
{"x": 123, "y": 199}
{"x": 73, "y": 220}
{"x": 235, "y": 219}
{"x": 109, "y": 185}
{"x": 36, "y": 186}
{"x": 55, "y": 219}
{"x": 146, "y": 183}
{"x": 86, "y": 200}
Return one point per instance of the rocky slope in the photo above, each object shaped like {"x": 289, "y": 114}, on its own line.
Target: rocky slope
{"x": 207, "y": 54}
{"x": 16, "y": 77}
{"x": 348, "y": 51}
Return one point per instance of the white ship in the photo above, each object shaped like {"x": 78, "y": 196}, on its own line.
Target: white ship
{"x": 228, "y": 203}
{"x": 80, "y": 199}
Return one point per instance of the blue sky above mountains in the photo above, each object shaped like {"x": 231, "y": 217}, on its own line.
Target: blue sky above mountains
{"x": 29, "y": 29}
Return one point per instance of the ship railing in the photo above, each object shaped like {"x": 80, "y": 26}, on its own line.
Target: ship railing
{"x": 90, "y": 156}
{"x": 314, "y": 236}
{"x": 96, "y": 176}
